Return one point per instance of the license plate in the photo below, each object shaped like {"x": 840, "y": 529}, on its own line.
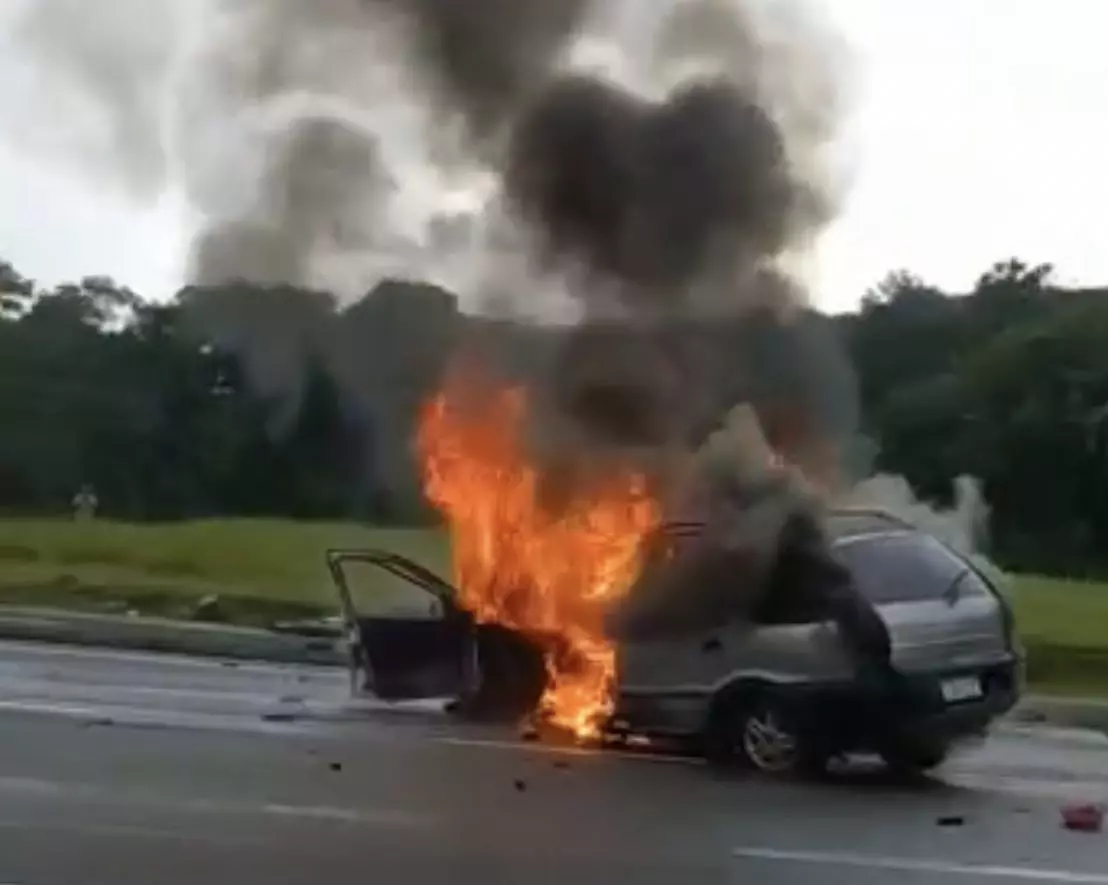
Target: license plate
{"x": 965, "y": 688}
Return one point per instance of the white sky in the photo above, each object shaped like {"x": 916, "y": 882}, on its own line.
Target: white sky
{"x": 980, "y": 133}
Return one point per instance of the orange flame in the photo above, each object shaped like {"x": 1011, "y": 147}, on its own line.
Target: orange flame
{"x": 519, "y": 564}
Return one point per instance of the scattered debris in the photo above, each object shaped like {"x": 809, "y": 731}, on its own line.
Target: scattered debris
{"x": 453, "y": 706}
{"x": 103, "y": 721}
{"x": 279, "y": 716}
{"x": 209, "y": 609}
{"x": 529, "y": 733}
{"x": 320, "y": 628}
{"x": 520, "y": 785}
{"x": 561, "y": 764}
{"x": 335, "y": 766}
{"x": 951, "y": 820}
{"x": 230, "y": 665}
{"x": 1083, "y": 817}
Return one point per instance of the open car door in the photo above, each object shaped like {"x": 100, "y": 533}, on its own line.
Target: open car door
{"x": 408, "y": 637}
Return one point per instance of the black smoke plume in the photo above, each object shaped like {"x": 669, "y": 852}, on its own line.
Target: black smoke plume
{"x": 657, "y": 196}
{"x": 484, "y": 57}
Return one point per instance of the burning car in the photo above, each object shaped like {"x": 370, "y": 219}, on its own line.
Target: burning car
{"x": 778, "y": 691}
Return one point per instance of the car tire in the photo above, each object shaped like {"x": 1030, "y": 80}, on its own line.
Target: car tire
{"x": 760, "y": 736}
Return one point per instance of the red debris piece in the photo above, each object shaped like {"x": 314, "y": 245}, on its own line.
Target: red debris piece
{"x": 1085, "y": 818}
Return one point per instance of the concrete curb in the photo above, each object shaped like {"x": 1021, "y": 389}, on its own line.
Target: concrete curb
{"x": 1073, "y": 713}
{"x": 155, "y": 634}
{"x": 1076, "y": 737}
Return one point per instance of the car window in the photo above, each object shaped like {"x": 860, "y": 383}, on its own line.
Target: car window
{"x": 906, "y": 567}
{"x": 377, "y": 592}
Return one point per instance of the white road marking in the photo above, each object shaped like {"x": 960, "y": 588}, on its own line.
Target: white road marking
{"x": 53, "y": 709}
{"x": 169, "y": 658}
{"x": 313, "y": 725}
{"x": 129, "y": 831}
{"x": 1088, "y": 737}
{"x": 921, "y": 865}
{"x": 540, "y": 747}
{"x": 72, "y": 790}
{"x": 1087, "y": 790}
{"x": 252, "y": 698}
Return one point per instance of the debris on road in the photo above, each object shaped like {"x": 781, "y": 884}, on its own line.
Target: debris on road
{"x": 335, "y": 766}
{"x": 951, "y": 820}
{"x": 520, "y": 785}
{"x": 1083, "y": 817}
{"x": 209, "y": 609}
{"x": 318, "y": 628}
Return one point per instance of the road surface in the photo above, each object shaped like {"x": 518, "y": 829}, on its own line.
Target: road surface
{"x": 127, "y": 769}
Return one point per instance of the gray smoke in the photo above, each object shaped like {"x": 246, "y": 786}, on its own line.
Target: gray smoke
{"x": 652, "y": 164}
{"x": 103, "y": 74}
{"x": 323, "y": 187}
{"x": 483, "y": 58}
{"x": 286, "y": 126}
{"x": 671, "y": 208}
{"x": 283, "y": 143}
{"x": 323, "y": 144}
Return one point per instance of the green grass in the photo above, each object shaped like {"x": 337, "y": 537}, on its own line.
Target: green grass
{"x": 1064, "y": 624}
{"x": 265, "y": 570}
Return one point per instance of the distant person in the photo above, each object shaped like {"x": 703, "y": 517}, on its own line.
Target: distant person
{"x": 85, "y": 503}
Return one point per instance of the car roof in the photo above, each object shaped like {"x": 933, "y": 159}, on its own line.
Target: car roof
{"x": 848, "y": 522}
{"x": 842, "y": 523}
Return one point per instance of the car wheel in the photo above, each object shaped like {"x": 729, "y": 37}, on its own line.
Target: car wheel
{"x": 760, "y": 735}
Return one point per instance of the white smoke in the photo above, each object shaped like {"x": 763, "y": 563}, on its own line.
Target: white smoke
{"x": 85, "y": 85}
{"x": 964, "y": 526}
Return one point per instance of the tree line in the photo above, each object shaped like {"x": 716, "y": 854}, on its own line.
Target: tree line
{"x": 236, "y": 400}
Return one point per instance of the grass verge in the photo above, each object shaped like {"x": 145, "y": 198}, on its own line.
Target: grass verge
{"x": 271, "y": 570}
{"x": 262, "y": 570}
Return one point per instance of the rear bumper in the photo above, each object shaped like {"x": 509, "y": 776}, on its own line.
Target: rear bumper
{"x": 877, "y": 709}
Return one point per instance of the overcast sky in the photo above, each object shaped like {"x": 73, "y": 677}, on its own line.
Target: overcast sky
{"x": 981, "y": 128}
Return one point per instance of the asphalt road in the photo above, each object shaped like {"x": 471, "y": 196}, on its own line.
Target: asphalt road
{"x": 128, "y": 769}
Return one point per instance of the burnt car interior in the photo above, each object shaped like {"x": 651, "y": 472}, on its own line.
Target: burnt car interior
{"x": 398, "y": 655}
{"x": 438, "y": 650}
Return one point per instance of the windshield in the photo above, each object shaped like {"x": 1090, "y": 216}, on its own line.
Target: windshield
{"x": 907, "y": 567}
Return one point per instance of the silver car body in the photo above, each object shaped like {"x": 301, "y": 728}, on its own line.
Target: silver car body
{"x": 947, "y": 614}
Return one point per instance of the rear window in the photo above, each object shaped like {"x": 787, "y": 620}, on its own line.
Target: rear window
{"x": 909, "y": 567}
